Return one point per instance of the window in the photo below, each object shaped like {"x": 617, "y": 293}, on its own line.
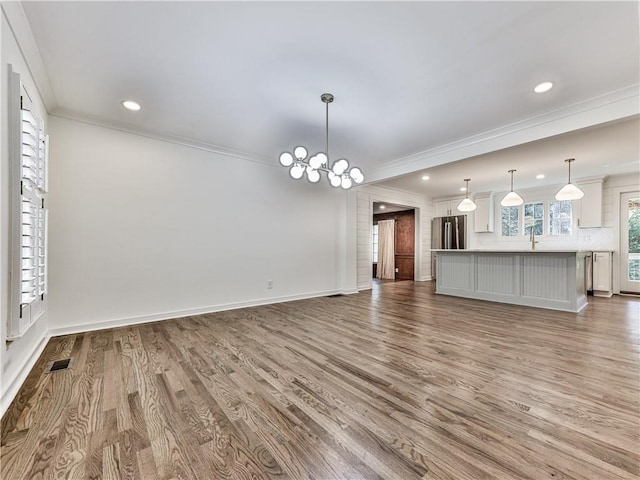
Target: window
{"x": 509, "y": 218}
{"x": 374, "y": 242}
{"x": 28, "y": 150}
{"x": 534, "y": 218}
{"x": 560, "y": 218}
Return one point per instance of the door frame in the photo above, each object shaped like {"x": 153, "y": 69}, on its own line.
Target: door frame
{"x": 368, "y": 194}
{"x": 621, "y": 237}
{"x": 416, "y": 224}
{"x": 616, "y": 193}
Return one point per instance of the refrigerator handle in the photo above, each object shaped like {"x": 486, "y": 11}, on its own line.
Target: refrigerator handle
{"x": 447, "y": 235}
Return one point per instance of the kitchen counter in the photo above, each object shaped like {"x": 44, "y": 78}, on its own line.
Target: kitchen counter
{"x": 492, "y": 250}
{"x": 552, "y": 279}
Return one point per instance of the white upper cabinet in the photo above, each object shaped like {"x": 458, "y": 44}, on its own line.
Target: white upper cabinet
{"x": 445, "y": 208}
{"x": 590, "y": 205}
{"x": 483, "y": 214}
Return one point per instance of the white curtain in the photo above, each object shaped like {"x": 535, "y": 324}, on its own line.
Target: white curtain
{"x": 386, "y": 250}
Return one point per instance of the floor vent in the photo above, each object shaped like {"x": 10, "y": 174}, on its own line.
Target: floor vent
{"x": 336, "y": 295}
{"x": 59, "y": 365}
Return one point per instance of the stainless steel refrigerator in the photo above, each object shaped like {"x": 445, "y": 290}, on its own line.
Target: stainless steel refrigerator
{"x": 447, "y": 233}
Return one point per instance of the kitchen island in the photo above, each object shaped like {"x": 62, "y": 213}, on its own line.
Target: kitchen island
{"x": 551, "y": 279}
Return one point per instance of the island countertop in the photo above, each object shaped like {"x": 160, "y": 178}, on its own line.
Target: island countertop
{"x": 486, "y": 250}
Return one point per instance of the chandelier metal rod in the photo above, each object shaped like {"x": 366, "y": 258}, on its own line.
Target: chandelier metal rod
{"x": 326, "y": 130}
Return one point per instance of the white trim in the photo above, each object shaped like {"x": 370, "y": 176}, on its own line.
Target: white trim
{"x": 155, "y": 317}
{"x": 163, "y": 137}
{"x": 616, "y": 105}
{"x": 617, "y": 240}
{"x": 19, "y": 25}
{"x": 16, "y": 382}
{"x": 349, "y": 291}
{"x": 422, "y": 210}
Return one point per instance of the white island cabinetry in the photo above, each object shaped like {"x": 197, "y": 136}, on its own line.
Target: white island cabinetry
{"x": 545, "y": 279}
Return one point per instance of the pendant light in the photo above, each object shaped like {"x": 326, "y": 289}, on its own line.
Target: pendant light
{"x": 467, "y": 204}
{"x": 569, "y": 191}
{"x": 512, "y": 199}
{"x": 338, "y": 174}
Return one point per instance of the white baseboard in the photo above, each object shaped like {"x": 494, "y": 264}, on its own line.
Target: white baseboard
{"x": 124, "y": 322}
{"x": 16, "y": 382}
{"x": 350, "y": 291}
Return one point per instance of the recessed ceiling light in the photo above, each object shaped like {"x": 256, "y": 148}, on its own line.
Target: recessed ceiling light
{"x": 425, "y": 177}
{"x": 543, "y": 87}
{"x": 131, "y": 105}
{"x": 539, "y": 176}
{"x": 382, "y": 207}
{"x": 463, "y": 189}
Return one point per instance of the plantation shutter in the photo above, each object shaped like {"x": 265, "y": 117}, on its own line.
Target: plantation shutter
{"x": 29, "y": 171}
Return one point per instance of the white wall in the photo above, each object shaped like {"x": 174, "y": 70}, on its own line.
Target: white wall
{"x": 16, "y": 358}
{"x": 143, "y": 229}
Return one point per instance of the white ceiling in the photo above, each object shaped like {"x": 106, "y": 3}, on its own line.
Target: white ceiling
{"x": 408, "y": 77}
{"x": 385, "y": 207}
{"x": 599, "y": 151}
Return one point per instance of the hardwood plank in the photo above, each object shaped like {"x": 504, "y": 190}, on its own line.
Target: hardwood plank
{"x": 392, "y": 383}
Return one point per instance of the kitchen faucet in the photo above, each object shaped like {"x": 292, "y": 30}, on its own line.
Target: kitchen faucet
{"x": 532, "y": 237}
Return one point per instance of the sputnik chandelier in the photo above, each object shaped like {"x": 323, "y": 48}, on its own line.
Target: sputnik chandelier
{"x": 338, "y": 174}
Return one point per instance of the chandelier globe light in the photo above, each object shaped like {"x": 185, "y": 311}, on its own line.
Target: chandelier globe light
{"x": 512, "y": 199}
{"x": 569, "y": 191}
{"x": 338, "y": 174}
{"x": 467, "y": 205}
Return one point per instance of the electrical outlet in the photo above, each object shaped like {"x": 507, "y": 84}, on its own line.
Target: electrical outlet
{"x": 397, "y": 270}
{"x": 269, "y": 283}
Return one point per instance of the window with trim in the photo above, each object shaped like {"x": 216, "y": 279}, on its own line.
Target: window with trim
{"x": 533, "y": 218}
{"x": 374, "y": 242}
{"x": 28, "y": 151}
{"x": 560, "y": 217}
{"x": 509, "y": 219}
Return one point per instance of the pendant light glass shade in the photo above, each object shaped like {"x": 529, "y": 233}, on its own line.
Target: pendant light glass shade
{"x": 467, "y": 204}
{"x": 313, "y": 175}
{"x": 511, "y": 199}
{"x": 569, "y": 191}
{"x": 296, "y": 171}
{"x": 286, "y": 159}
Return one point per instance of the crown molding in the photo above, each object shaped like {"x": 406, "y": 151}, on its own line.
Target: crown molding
{"x": 616, "y": 105}
{"x": 17, "y": 20}
{"x": 163, "y": 137}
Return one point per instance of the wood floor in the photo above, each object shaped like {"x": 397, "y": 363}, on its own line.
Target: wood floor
{"x": 395, "y": 383}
